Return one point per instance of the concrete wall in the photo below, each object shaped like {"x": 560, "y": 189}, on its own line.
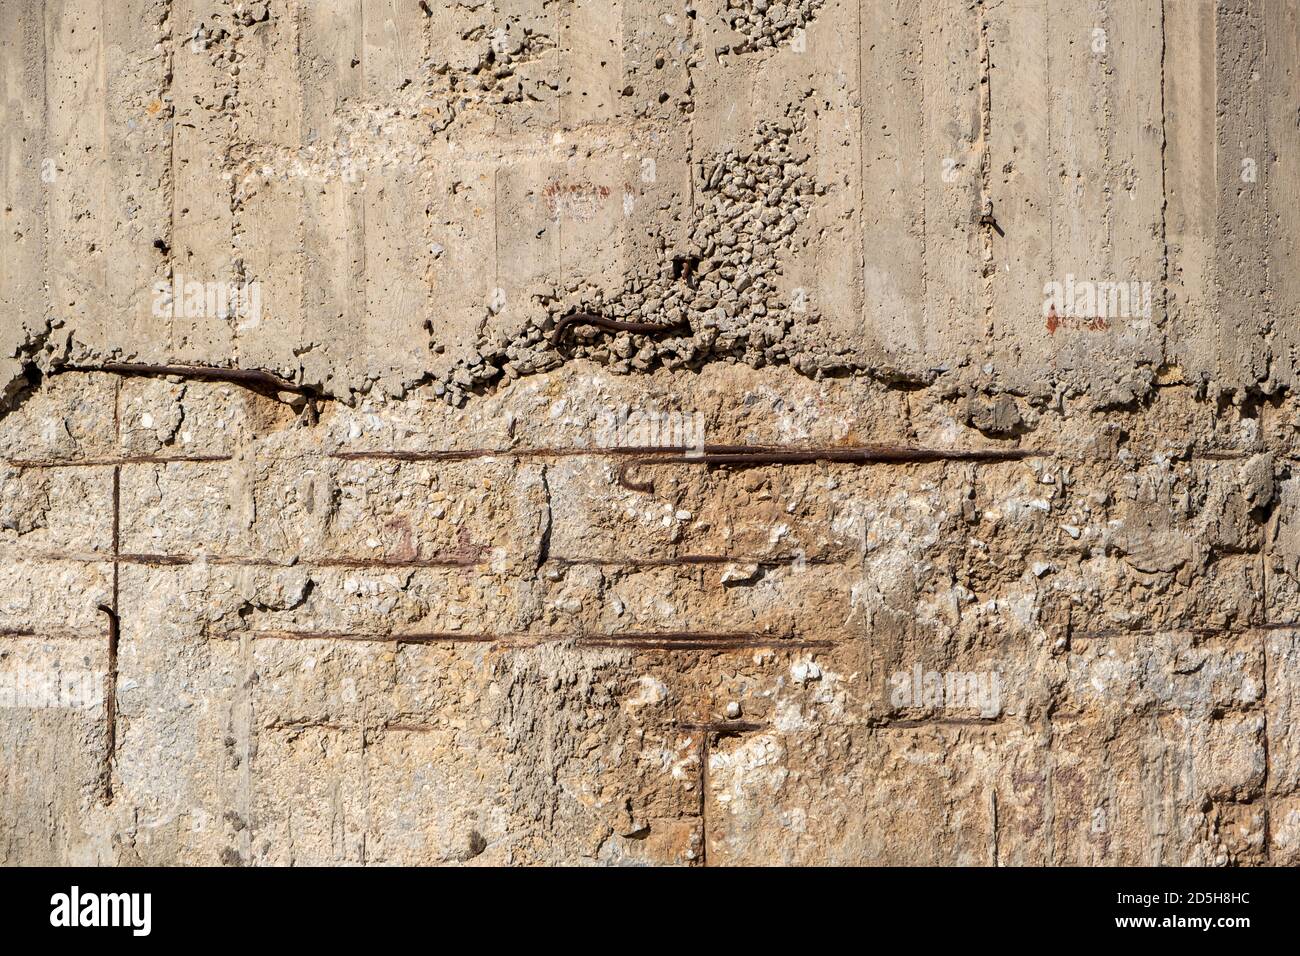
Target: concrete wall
{"x": 649, "y": 432}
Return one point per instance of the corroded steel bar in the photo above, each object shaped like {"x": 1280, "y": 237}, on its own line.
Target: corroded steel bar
{"x": 749, "y": 456}
{"x": 616, "y": 325}
{"x": 251, "y": 378}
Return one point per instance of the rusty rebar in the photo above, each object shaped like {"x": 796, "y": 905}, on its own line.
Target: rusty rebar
{"x": 250, "y": 378}
{"x": 412, "y": 637}
{"x": 114, "y": 635}
{"x": 49, "y": 634}
{"x": 914, "y": 723}
{"x": 697, "y": 641}
{"x": 648, "y": 640}
{"x": 455, "y": 560}
{"x": 22, "y": 463}
{"x": 467, "y": 454}
{"x": 749, "y": 456}
{"x": 1192, "y": 631}
{"x": 110, "y": 698}
{"x": 459, "y": 559}
{"x": 693, "y": 560}
{"x": 723, "y": 728}
{"x": 616, "y": 325}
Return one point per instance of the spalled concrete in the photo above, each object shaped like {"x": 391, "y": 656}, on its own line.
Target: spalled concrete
{"x": 724, "y": 432}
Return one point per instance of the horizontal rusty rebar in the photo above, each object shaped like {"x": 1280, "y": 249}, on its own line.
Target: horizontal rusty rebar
{"x": 698, "y": 641}
{"x": 914, "y": 723}
{"x": 723, "y": 728}
{"x": 250, "y": 378}
{"x": 650, "y": 640}
{"x": 113, "y": 462}
{"x": 731, "y": 455}
{"x": 689, "y": 560}
{"x": 741, "y": 455}
{"x": 51, "y": 634}
{"x": 750, "y": 456}
{"x": 465, "y": 454}
{"x": 459, "y": 560}
{"x": 1242, "y": 628}
{"x": 462, "y": 559}
{"x": 409, "y": 728}
{"x": 413, "y": 637}
{"x": 710, "y": 645}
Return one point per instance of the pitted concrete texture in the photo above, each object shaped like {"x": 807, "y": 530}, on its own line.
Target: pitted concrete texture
{"x": 649, "y": 432}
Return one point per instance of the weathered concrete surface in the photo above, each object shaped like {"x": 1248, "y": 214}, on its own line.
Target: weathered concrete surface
{"x": 418, "y": 600}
